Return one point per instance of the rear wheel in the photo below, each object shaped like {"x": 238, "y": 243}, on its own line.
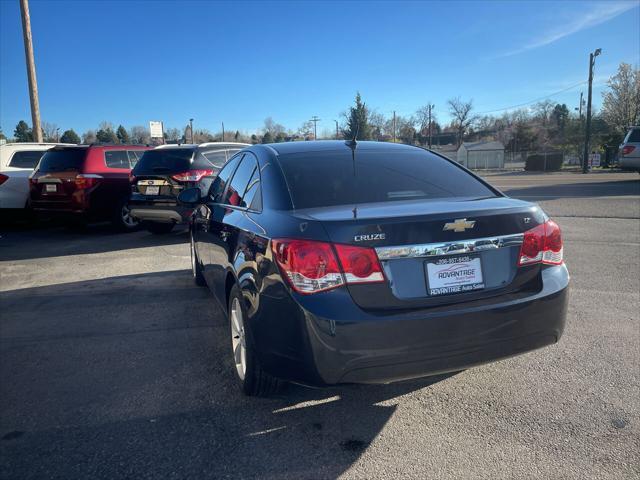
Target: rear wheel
{"x": 253, "y": 380}
{"x": 159, "y": 228}
{"x": 122, "y": 219}
{"x": 196, "y": 268}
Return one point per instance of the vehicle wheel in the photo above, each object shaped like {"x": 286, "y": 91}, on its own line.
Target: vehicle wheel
{"x": 196, "y": 268}
{"x": 253, "y": 381}
{"x": 159, "y": 228}
{"x": 122, "y": 219}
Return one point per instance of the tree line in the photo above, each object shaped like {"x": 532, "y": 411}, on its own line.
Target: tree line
{"x": 544, "y": 125}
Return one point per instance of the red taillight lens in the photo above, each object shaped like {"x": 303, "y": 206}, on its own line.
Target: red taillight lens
{"x": 3, "y": 178}
{"x": 360, "y": 265}
{"x": 542, "y": 244}
{"x": 192, "y": 175}
{"x": 627, "y": 149}
{"x": 309, "y": 266}
{"x": 312, "y": 266}
{"x": 84, "y": 181}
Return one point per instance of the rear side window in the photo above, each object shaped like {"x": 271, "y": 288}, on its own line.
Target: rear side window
{"x": 219, "y": 184}
{"x": 116, "y": 159}
{"x": 240, "y": 181}
{"x": 633, "y": 136}
{"x": 26, "y": 159}
{"x": 62, "y": 160}
{"x": 321, "y": 179}
{"x": 163, "y": 160}
{"x": 216, "y": 159}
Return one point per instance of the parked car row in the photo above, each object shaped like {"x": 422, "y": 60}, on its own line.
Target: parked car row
{"x": 82, "y": 183}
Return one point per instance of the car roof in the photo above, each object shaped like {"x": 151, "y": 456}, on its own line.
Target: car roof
{"x": 207, "y": 145}
{"x": 287, "y": 148}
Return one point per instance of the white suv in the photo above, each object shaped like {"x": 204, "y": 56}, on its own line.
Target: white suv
{"x": 17, "y": 161}
{"x": 629, "y": 155}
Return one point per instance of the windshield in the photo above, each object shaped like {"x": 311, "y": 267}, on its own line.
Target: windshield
{"x": 164, "y": 161}
{"x": 62, "y": 160}
{"x": 330, "y": 178}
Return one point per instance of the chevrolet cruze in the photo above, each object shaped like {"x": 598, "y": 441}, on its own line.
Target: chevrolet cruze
{"x": 344, "y": 262}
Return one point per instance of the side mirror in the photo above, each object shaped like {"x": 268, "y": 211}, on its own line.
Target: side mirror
{"x": 190, "y": 196}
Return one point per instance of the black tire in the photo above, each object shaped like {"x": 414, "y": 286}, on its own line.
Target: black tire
{"x": 121, "y": 218}
{"x": 255, "y": 382}
{"x": 196, "y": 268}
{"x": 159, "y": 228}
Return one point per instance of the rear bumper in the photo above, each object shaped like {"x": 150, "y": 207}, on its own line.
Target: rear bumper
{"x": 162, "y": 210}
{"x": 629, "y": 163}
{"x": 347, "y": 345}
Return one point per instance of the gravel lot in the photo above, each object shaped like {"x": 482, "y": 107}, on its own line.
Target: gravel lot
{"x": 113, "y": 364}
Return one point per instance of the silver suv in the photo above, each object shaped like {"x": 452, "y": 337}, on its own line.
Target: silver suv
{"x": 629, "y": 155}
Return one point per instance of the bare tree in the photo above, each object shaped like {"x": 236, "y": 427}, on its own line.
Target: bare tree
{"x": 272, "y": 127}
{"x": 378, "y": 124}
{"x": 89, "y": 137}
{"x": 173, "y": 134}
{"x": 543, "y": 111}
{"x": 49, "y": 131}
{"x": 139, "y": 134}
{"x": 461, "y": 113}
{"x": 621, "y": 103}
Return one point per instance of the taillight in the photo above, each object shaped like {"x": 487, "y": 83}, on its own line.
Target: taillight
{"x": 312, "y": 266}
{"x": 3, "y": 178}
{"x": 359, "y": 264}
{"x": 627, "y": 149}
{"x": 84, "y": 181}
{"x": 192, "y": 175}
{"x": 542, "y": 244}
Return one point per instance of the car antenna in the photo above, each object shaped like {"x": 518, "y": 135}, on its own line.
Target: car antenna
{"x": 352, "y": 144}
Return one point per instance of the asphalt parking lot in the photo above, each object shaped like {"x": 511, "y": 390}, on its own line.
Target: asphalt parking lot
{"x": 113, "y": 364}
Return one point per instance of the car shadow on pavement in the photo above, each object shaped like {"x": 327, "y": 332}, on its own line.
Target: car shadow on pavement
{"x": 130, "y": 377}
{"x": 55, "y": 241}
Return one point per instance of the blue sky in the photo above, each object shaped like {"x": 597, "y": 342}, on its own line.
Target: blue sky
{"x": 239, "y": 62}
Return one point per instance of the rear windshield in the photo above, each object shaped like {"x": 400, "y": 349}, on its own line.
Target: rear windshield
{"x": 633, "y": 136}
{"x": 26, "y": 158}
{"x": 164, "y": 161}
{"x": 322, "y": 179}
{"x": 62, "y": 160}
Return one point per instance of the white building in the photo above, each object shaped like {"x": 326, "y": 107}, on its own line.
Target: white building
{"x": 481, "y": 155}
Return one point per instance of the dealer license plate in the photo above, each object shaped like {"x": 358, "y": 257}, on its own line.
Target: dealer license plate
{"x": 151, "y": 190}
{"x": 454, "y": 275}
{"x": 51, "y": 187}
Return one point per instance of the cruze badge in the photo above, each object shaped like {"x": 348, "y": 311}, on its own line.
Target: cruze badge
{"x": 459, "y": 225}
{"x": 369, "y": 237}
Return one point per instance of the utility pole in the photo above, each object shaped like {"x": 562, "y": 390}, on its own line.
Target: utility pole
{"x": 430, "y": 107}
{"x": 315, "y": 121}
{"x": 585, "y": 159}
{"x": 223, "y": 131}
{"x": 394, "y": 126}
{"x": 191, "y": 129}
{"x": 581, "y": 102}
{"x": 31, "y": 71}
{"x": 337, "y": 135}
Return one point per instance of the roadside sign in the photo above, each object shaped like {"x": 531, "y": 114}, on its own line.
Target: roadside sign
{"x": 156, "y": 130}
{"x": 594, "y": 160}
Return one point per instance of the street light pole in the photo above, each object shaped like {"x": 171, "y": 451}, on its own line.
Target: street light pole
{"x": 585, "y": 158}
{"x": 31, "y": 71}
{"x": 223, "y": 131}
{"x": 337, "y": 134}
{"x": 191, "y": 128}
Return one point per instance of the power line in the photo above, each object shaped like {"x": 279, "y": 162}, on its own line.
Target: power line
{"x": 533, "y": 101}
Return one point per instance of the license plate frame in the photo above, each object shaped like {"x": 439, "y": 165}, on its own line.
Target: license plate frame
{"x": 454, "y": 274}
{"x": 50, "y": 188}
{"x": 152, "y": 190}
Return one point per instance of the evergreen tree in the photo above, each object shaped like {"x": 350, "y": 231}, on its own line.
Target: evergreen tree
{"x": 106, "y": 136}
{"x": 358, "y": 121}
{"x": 23, "y": 133}
{"x": 268, "y": 138}
{"x": 122, "y": 135}
{"x": 254, "y": 139}
{"x": 237, "y": 135}
{"x": 69, "y": 136}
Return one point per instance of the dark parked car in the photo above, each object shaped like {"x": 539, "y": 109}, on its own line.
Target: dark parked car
{"x": 165, "y": 171}
{"x": 84, "y": 183}
{"x": 375, "y": 262}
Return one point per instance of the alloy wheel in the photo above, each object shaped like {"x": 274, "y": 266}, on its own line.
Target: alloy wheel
{"x": 238, "y": 342}
{"x": 127, "y": 219}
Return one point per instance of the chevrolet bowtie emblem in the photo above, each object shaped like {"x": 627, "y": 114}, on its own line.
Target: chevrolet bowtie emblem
{"x": 459, "y": 225}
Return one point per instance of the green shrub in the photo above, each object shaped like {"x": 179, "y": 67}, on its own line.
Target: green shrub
{"x": 538, "y": 162}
